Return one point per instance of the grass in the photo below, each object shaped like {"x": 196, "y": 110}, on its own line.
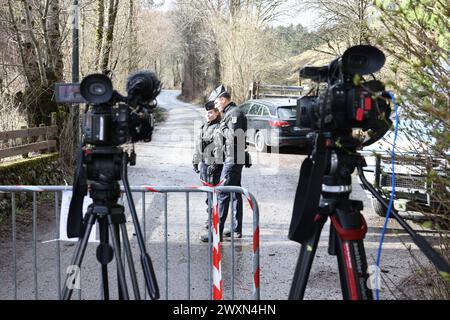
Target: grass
{"x": 160, "y": 115}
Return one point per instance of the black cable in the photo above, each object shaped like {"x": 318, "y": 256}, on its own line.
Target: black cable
{"x": 433, "y": 256}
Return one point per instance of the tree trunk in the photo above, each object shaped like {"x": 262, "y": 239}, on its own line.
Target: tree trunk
{"x": 33, "y": 41}
{"x": 99, "y": 31}
{"x": 132, "y": 39}
{"x": 18, "y": 38}
{"x": 109, "y": 36}
{"x": 54, "y": 37}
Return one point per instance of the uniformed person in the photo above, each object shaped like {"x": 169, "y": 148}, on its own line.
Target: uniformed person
{"x": 204, "y": 159}
{"x": 232, "y": 133}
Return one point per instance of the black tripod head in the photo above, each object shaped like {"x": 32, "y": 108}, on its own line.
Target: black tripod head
{"x": 328, "y": 167}
{"x": 98, "y": 168}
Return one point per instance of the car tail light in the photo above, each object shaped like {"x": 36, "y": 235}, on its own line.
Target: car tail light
{"x": 279, "y": 124}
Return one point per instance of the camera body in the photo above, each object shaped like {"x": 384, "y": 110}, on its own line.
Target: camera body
{"x": 342, "y": 106}
{"x": 117, "y": 125}
{"x": 347, "y": 101}
{"x": 111, "y": 119}
{"x": 107, "y": 126}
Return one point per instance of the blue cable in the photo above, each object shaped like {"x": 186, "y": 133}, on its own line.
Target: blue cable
{"x": 391, "y": 201}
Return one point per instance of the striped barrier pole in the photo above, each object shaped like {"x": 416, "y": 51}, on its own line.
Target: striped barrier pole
{"x": 217, "y": 253}
{"x": 256, "y": 253}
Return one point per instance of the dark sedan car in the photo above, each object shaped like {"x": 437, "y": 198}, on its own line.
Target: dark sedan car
{"x": 272, "y": 123}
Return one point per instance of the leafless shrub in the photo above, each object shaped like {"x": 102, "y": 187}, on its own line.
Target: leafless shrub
{"x": 11, "y": 117}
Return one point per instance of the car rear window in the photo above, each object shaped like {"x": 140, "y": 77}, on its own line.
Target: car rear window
{"x": 287, "y": 112}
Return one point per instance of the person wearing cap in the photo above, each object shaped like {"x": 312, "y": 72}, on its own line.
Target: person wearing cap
{"x": 204, "y": 159}
{"x": 232, "y": 134}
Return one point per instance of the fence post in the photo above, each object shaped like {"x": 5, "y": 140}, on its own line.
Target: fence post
{"x": 53, "y": 119}
{"x": 21, "y": 141}
{"x": 54, "y": 136}
{"x": 43, "y": 137}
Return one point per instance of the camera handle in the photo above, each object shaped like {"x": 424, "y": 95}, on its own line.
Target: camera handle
{"x": 435, "y": 258}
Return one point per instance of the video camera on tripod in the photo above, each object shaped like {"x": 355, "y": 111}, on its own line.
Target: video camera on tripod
{"x": 344, "y": 103}
{"x": 110, "y": 120}
{"x": 347, "y": 102}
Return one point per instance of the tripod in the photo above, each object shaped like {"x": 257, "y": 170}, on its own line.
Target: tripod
{"x": 105, "y": 166}
{"x": 348, "y": 227}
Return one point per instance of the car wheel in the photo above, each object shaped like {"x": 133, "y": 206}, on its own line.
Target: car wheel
{"x": 378, "y": 208}
{"x": 260, "y": 142}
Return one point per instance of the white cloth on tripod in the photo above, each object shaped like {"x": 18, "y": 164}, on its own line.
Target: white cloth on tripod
{"x": 65, "y": 204}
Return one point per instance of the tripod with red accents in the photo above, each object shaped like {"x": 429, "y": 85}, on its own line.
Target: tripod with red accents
{"x": 324, "y": 192}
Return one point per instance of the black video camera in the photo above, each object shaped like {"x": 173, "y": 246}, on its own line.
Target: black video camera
{"x": 114, "y": 119}
{"x": 348, "y": 101}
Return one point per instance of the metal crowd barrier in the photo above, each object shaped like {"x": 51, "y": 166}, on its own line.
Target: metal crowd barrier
{"x": 56, "y": 190}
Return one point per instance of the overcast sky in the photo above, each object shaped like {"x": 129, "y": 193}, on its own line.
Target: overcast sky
{"x": 305, "y": 18}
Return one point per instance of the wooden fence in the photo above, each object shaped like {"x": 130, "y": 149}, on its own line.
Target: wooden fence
{"x": 21, "y": 142}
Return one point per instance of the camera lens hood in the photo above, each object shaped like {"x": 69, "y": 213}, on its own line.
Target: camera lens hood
{"x": 363, "y": 59}
{"x": 97, "y": 89}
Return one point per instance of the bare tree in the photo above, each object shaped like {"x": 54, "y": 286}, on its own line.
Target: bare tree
{"x": 341, "y": 23}
{"x": 109, "y": 34}
{"x": 51, "y": 18}
{"x": 224, "y": 41}
{"x": 99, "y": 30}
{"x": 36, "y": 29}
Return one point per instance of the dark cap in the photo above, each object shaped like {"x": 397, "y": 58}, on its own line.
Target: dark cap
{"x": 209, "y": 105}
{"x": 218, "y": 92}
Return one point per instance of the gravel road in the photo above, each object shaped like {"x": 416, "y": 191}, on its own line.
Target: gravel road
{"x": 166, "y": 161}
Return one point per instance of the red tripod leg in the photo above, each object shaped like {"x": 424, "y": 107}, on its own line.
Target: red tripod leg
{"x": 349, "y": 230}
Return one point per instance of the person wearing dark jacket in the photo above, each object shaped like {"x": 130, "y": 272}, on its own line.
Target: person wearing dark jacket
{"x": 204, "y": 159}
{"x": 232, "y": 135}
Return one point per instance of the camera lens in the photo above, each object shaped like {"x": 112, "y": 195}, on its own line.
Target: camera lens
{"x": 97, "y": 89}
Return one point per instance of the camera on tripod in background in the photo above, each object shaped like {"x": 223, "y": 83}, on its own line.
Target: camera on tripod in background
{"x": 114, "y": 119}
{"x": 110, "y": 120}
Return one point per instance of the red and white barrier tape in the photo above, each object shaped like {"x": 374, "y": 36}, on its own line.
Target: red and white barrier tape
{"x": 217, "y": 257}
{"x": 217, "y": 254}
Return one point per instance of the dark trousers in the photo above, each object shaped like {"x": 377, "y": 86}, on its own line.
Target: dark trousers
{"x": 231, "y": 175}
{"x": 214, "y": 180}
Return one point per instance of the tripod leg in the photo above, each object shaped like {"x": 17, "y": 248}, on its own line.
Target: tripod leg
{"x": 147, "y": 265}
{"x": 78, "y": 255}
{"x": 123, "y": 290}
{"x": 104, "y": 255}
{"x": 353, "y": 270}
{"x": 349, "y": 229}
{"x": 127, "y": 248}
{"x": 122, "y": 260}
{"x": 305, "y": 261}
